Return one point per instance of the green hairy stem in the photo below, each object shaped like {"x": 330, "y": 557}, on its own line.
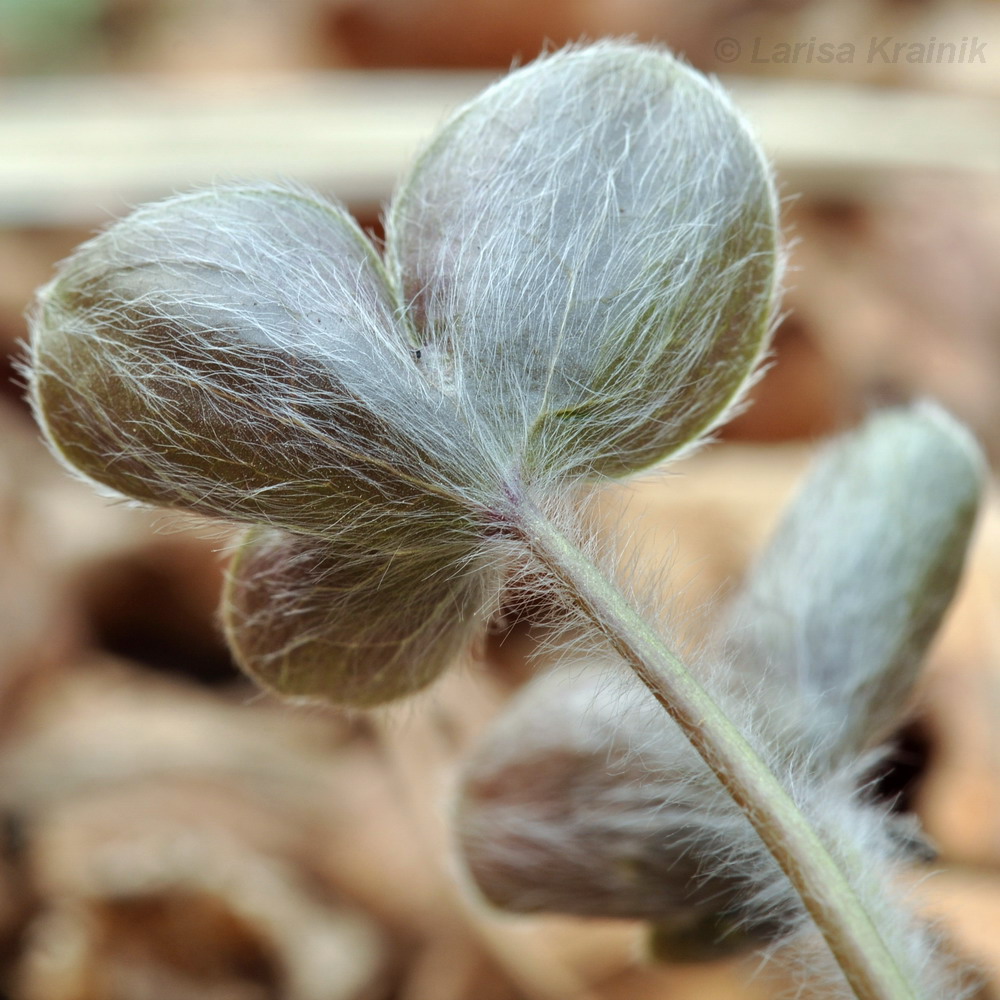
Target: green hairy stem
{"x": 841, "y": 917}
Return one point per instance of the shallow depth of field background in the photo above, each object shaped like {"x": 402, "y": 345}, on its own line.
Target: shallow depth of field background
{"x": 168, "y": 833}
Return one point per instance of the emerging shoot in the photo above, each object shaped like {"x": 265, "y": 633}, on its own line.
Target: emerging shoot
{"x": 580, "y": 278}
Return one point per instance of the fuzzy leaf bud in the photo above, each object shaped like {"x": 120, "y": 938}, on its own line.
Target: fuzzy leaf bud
{"x": 842, "y": 604}
{"x": 583, "y": 799}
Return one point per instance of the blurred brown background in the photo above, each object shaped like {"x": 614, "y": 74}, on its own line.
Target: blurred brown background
{"x": 168, "y": 833}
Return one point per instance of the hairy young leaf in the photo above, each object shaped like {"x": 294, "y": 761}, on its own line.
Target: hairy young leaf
{"x": 311, "y": 621}
{"x": 235, "y": 352}
{"x": 589, "y": 255}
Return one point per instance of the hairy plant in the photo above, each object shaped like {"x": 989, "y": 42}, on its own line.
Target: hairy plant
{"x": 580, "y": 277}
{"x": 580, "y": 800}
